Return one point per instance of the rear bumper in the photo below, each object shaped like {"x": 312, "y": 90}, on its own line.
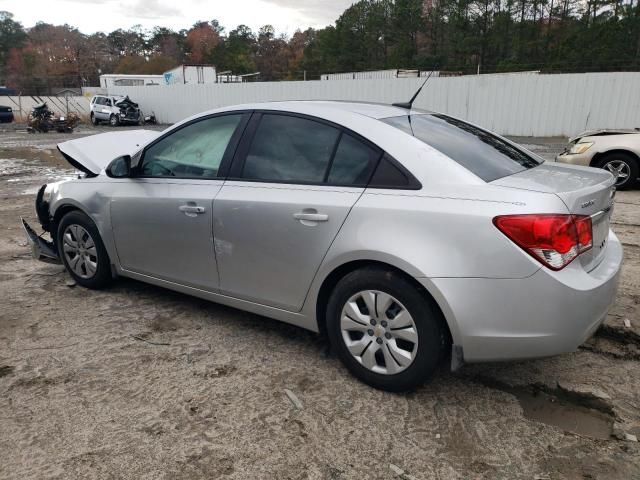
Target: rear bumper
{"x": 545, "y": 314}
{"x": 41, "y": 249}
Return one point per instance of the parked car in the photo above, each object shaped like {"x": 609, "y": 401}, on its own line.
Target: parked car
{"x": 6, "y": 114}
{"x": 403, "y": 236}
{"x": 114, "y": 109}
{"x": 615, "y": 150}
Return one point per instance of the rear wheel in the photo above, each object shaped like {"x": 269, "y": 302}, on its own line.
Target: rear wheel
{"x": 384, "y": 329}
{"x": 624, "y": 166}
{"x": 94, "y": 120}
{"x": 82, "y": 251}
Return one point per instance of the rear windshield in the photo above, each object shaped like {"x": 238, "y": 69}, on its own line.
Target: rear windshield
{"x": 479, "y": 151}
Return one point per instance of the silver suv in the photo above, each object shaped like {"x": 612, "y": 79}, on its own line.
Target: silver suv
{"x": 114, "y": 109}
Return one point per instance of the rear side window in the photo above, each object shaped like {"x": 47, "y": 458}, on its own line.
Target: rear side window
{"x": 390, "y": 174}
{"x": 353, "y": 163}
{"x": 479, "y": 151}
{"x": 290, "y": 149}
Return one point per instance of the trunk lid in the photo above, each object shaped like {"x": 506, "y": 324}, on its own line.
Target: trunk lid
{"x": 584, "y": 190}
{"x": 92, "y": 154}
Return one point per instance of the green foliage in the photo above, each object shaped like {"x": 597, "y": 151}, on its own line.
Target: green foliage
{"x": 455, "y": 35}
{"x": 12, "y": 35}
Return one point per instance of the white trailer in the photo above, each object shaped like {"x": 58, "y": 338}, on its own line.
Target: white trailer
{"x": 184, "y": 74}
{"x": 378, "y": 74}
{"x": 122, "y": 80}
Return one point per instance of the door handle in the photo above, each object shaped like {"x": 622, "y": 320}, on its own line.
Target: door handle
{"x": 311, "y": 217}
{"x": 191, "y": 210}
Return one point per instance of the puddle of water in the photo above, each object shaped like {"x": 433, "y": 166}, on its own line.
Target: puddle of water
{"x": 556, "y": 412}
{"x": 22, "y": 173}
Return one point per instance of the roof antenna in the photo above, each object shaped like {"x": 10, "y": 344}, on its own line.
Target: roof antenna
{"x": 409, "y": 104}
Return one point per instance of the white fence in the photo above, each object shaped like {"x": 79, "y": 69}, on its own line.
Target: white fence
{"x": 23, "y": 105}
{"x": 519, "y": 105}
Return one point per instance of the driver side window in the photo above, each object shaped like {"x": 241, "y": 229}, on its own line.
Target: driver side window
{"x": 194, "y": 151}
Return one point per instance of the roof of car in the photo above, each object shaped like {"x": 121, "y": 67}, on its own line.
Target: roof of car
{"x": 372, "y": 110}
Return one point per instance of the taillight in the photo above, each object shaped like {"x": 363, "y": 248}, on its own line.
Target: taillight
{"x": 554, "y": 240}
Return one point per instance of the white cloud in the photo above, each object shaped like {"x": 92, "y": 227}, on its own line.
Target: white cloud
{"x": 107, "y": 15}
{"x": 149, "y": 10}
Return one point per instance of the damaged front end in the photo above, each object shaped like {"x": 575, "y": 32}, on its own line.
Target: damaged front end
{"x": 41, "y": 248}
{"x": 91, "y": 155}
{"x": 129, "y": 111}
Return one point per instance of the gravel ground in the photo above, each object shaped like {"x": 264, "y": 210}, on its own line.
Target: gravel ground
{"x": 139, "y": 382}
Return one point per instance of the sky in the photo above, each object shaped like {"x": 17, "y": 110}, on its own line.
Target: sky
{"x": 90, "y": 16}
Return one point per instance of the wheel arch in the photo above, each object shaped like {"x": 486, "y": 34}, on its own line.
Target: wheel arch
{"x": 597, "y": 158}
{"x": 333, "y": 277}
{"x": 64, "y": 207}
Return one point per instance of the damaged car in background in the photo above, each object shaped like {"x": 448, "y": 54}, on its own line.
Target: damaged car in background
{"x": 617, "y": 151}
{"x": 117, "y": 110}
{"x": 405, "y": 236}
{"x": 43, "y": 120}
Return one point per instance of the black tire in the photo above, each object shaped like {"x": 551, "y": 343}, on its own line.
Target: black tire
{"x": 94, "y": 120}
{"x": 102, "y": 276}
{"x": 114, "y": 121}
{"x": 631, "y": 167}
{"x": 432, "y": 338}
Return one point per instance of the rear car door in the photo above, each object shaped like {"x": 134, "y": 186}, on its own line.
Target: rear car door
{"x": 162, "y": 217}
{"x": 102, "y": 110}
{"x": 290, "y": 189}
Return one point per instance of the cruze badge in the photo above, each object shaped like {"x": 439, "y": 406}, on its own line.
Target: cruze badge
{"x": 587, "y": 203}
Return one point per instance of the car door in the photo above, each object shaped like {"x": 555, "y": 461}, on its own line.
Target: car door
{"x": 95, "y": 107}
{"x": 291, "y": 187}
{"x": 102, "y": 111}
{"x": 162, "y": 217}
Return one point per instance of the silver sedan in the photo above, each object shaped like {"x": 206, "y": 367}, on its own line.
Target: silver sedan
{"x": 405, "y": 236}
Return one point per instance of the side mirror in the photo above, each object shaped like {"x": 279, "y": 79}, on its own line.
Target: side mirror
{"x": 120, "y": 167}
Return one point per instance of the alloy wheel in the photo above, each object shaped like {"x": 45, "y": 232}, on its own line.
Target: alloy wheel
{"x": 379, "y": 332}
{"x": 620, "y": 170}
{"x": 80, "y": 251}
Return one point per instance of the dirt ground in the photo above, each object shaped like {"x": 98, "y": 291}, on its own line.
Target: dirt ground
{"x": 138, "y": 382}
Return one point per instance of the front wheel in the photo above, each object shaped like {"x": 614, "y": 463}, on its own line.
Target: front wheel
{"x": 384, "y": 329}
{"x": 114, "y": 121}
{"x": 623, "y": 166}
{"x": 82, "y": 251}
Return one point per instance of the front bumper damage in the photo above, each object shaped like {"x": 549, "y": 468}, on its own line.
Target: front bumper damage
{"x": 41, "y": 249}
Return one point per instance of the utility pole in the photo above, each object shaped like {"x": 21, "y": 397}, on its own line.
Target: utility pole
{"x": 304, "y": 75}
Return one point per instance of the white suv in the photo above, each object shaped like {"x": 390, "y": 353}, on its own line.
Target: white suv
{"x": 114, "y": 109}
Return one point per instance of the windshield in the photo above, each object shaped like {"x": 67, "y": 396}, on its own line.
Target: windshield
{"x": 479, "y": 151}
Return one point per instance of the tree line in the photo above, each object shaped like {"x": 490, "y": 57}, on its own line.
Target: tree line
{"x": 464, "y": 36}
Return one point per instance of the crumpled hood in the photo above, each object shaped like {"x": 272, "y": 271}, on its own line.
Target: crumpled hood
{"x": 93, "y": 153}
{"x": 126, "y": 103}
{"x": 602, "y": 132}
